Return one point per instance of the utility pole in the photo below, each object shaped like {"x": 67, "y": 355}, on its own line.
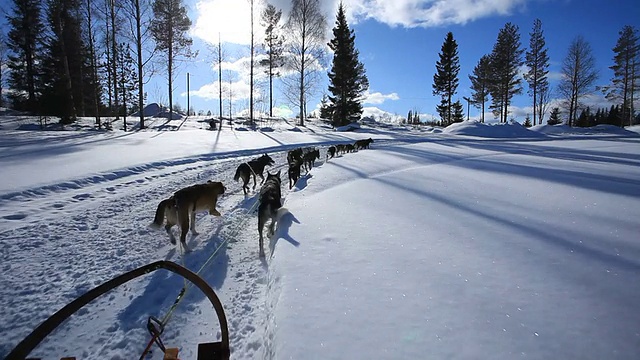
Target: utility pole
{"x": 188, "y": 108}
{"x": 468, "y": 103}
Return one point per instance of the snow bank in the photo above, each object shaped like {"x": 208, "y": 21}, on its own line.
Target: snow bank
{"x": 475, "y": 128}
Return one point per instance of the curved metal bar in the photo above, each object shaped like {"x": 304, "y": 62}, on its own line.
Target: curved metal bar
{"x": 22, "y": 350}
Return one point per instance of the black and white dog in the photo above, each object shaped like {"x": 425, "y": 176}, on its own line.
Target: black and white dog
{"x": 270, "y": 203}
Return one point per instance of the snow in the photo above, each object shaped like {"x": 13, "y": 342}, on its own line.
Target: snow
{"x": 471, "y": 242}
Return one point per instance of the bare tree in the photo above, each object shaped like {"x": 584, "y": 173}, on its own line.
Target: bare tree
{"x": 251, "y": 121}
{"x": 138, "y": 12}
{"x": 169, "y": 28}
{"x": 306, "y": 39}
{"x": 273, "y": 45}
{"x": 544, "y": 96}
{"x": 578, "y": 76}
{"x": 93, "y": 58}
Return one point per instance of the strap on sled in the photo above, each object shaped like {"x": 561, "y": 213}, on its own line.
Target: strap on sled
{"x": 213, "y": 350}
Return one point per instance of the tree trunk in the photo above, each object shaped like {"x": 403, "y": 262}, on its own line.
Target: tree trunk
{"x": 114, "y": 55}
{"x": 138, "y": 16}
{"x": 94, "y": 67}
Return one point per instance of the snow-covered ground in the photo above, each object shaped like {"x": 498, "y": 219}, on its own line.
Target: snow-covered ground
{"x": 473, "y": 242}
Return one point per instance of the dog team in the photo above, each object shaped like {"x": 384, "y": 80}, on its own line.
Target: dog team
{"x": 181, "y": 208}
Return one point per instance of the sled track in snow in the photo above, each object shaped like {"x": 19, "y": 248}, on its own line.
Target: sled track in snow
{"x": 97, "y": 221}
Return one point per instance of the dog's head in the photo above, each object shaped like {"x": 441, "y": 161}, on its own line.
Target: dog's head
{"x": 268, "y": 160}
{"x": 216, "y": 185}
{"x": 274, "y": 177}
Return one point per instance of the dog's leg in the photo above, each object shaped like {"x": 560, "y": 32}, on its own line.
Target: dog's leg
{"x": 171, "y": 237}
{"x": 183, "y": 218}
{"x": 271, "y": 227}
{"x": 193, "y": 223}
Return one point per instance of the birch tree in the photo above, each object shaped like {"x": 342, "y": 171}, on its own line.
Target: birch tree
{"x": 306, "y": 27}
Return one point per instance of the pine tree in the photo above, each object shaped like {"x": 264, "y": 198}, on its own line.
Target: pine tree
{"x": 169, "y": 28}
{"x": 65, "y": 65}
{"x": 537, "y": 61}
{"x": 457, "y": 112}
{"x": 25, "y": 42}
{"x": 554, "y": 117}
{"x": 527, "y": 121}
{"x": 506, "y": 59}
{"x": 480, "y": 84}
{"x": 410, "y": 117}
{"x": 626, "y": 72}
{"x": 347, "y": 78}
{"x": 273, "y": 43}
{"x": 325, "y": 113}
{"x": 445, "y": 80}
{"x": 127, "y": 80}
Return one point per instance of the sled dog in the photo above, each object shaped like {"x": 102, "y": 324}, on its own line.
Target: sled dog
{"x": 294, "y": 173}
{"x": 362, "y": 144}
{"x": 270, "y": 202}
{"x": 180, "y": 209}
{"x": 309, "y": 158}
{"x": 252, "y": 168}
{"x": 331, "y": 152}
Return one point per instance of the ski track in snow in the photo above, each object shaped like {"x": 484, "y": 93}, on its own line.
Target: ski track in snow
{"x": 100, "y": 223}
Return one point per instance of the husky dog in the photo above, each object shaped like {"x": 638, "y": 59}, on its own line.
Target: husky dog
{"x": 331, "y": 152}
{"x": 270, "y": 203}
{"x": 253, "y": 168}
{"x": 362, "y": 144}
{"x": 181, "y": 208}
{"x": 294, "y": 155}
{"x": 310, "y": 158}
{"x": 294, "y": 173}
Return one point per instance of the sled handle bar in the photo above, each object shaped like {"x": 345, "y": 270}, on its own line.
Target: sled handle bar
{"x": 22, "y": 350}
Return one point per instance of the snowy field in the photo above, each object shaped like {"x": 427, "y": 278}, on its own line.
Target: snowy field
{"x": 473, "y": 242}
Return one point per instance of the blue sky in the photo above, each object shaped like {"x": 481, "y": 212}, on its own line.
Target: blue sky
{"x": 399, "y": 42}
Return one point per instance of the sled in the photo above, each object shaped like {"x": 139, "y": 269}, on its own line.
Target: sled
{"x": 211, "y": 350}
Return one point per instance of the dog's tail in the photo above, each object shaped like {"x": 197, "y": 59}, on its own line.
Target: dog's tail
{"x": 159, "y": 218}
{"x": 236, "y": 177}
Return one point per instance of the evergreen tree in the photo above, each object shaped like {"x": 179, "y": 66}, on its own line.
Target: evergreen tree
{"x": 445, "y": 80}
{"x": 457, "y": 112}
{"x": 554, "y": 117}
{"x": 506, "y": 59}
{"x": 410, "y": 117}
{"x": 65, "y": 65}
{"x": 25, "y": 42}
{"x": 537, "y": 61}
{"x": 169, "y": 28}
{"x": 626, "y": 72}
{"x": 481, "y": 83}
{"x": 127, "y": 80}
{"x": 325, "y": 113}
{"x": 273, "y": 42}
{"x": 347, "y": 78}
{"x": 527, "y": 121}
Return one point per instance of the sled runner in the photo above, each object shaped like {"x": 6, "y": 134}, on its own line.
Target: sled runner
{"x": 211, "y": 350}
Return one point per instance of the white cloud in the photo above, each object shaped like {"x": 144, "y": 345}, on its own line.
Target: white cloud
{"x": 230, "y": 18}
{"x": 427, "y": 13}
{"x": 379, "y": 98}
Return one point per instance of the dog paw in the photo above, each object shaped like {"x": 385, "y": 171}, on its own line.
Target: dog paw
{"x": 215, "y": 212}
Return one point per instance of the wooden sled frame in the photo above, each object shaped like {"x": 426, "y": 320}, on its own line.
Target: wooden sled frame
{"x": 212, "y": 350}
